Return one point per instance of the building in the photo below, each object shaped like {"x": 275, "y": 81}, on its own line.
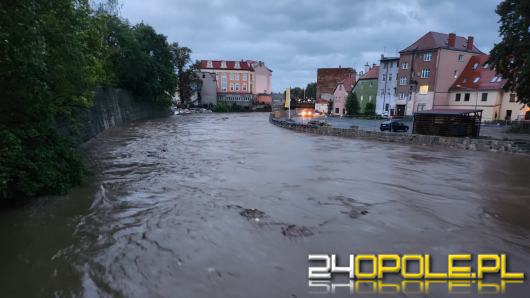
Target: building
{"x": 480, "y": 87}
{"x": 340, "y": 94}
{"x": 237, "y": 81}
{"x": 321, "y": 106}
{"x": 366, "y": 87}
{"x": 387, "y": 86}
{"x": 207, "y": 94}
{"x": 428, "y": 68}
{"x": 329, "y": 78}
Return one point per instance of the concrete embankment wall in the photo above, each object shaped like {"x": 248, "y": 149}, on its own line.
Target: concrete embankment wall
{"x": 406, "y": 138}
{"x": 111, "y": 107}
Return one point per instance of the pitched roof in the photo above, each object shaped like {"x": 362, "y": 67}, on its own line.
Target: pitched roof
{"x": 488, "y": 79}
{"x": 348, "y": 84}
{"x": 436, "y": 40}
{"x": 373, "y": 73}
{"x": 231, "y": 65}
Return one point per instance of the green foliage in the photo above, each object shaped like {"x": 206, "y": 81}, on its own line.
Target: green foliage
{"x": 224, "y": 107}
{"x": 311, "y": 90}
{"x": 369, "y": 108}
{"x": 352, "y": 104}
{"x": 53, "y": 54}
{"x": 511, "y": 56}
{"x": 187, "y": 80}
{"x": 297, "y": 93}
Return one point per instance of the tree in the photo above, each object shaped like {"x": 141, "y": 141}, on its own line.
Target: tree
{"x": 311, "y": 90}
{"x": 352, "y": 104}
{"x": 49, "y": 66}
{"x": 186, "y": 72}
{"x": 369, "y": 108}
{"x": 511, "y": 57}
{"x": 297, "y": 92}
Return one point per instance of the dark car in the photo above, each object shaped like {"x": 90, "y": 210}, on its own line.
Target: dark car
{"x": 394, "y": 125}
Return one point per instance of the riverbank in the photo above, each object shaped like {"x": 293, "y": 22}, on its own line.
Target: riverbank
{"x": 480, "y": 144}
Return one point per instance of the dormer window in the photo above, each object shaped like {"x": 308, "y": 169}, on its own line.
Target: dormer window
{"x": 223, "y": 64}
{"x": 476, "y": 80}
{"x": 209, "y": 64}
{"x": 475, "y": 66}
{"x": 494, "y": 79}
{"x": 237, "y": 65}
{"x": 464, "y": 81}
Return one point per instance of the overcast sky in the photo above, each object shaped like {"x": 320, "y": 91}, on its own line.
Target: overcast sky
{"x": 295, "y": 37}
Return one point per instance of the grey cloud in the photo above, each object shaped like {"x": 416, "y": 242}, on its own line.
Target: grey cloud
{"x": 295, "y": 37}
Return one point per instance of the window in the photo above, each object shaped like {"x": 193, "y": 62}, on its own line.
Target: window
{"x": 405, "y": 65}
{"x": 390, "y": 77}
{"x": 237, "y": 87}
{"x": 460, "y": 57}
{"x": 231, "y": 86}
{"x": 237, "y": 77}
{"x": 476, "y": 80}
{"x": 458, "y": 96}
{"x": 209, "y": 64}
{"x": 475, "y": 66}
{"x": 223, "y": 82}
{"x": 382, "y": 91}
{"x": 425, "y": 73}
{"x": 336, "y": 110}
{"x": 362, "y": 97}
{"x": 370, "y": 98}
{"x": 236, "y": 65}
{"x": 384, "y": 77}
{"x": 466, "y": 96}
{"x": 402, "y": 95}
{"x": 244, "y": 77}
{"x": 508, "y": 115}
{"x": 494, "y": 79}
{"x": 455, "y": 74}
{"x": 403, "y": 80}
{"x": 424, "y": 89}
{"x": 231, "y": 76}
{"x": 244, "y": 87}
{"x": 427, "y": 56}
{"x": 512, "y": 97}
{"x": 464, "y": 81}
{"x": 484, "y": 96}
{"x": 223, "y": 64}
{"x": 387, "y": 106}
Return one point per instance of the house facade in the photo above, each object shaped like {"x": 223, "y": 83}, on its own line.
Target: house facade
{"x": 339, "y": 96}
{"x": 329, "y": 78}
{"x": 237, "y": 81}
{"x": 321, "y": 106}
{"x": 480, "y": 87}
{"x": 428, "y": 68}
{"x": 366, "y": 88}
{"x": 206, "y": 92}
{"x": 387, "y": 86}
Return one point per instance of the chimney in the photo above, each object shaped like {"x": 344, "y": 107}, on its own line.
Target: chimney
{"x": 469, "y": 45}
{"x": 366, "y": 67}
{"x": 451, "y": 41}
{"x": 382, "y": 56}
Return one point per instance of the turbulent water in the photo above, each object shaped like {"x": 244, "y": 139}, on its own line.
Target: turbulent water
{"x": 213, "y": 205}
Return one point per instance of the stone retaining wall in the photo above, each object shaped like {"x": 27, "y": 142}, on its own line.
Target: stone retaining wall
{"x": 406, "y": 138}
{"x": 111, "y": 107}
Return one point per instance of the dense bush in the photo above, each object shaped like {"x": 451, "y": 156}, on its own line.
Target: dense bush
{"x": 52, "y": 56}
{"x": 223, "y": 107}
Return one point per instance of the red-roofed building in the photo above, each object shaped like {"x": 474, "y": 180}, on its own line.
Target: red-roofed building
{"x": 480, "y": 87}
{"x": 366, "y": 89}
{"x": 329, "y": 78}
{"x": 429, "y": 67}
{"x": 341, "y": 93}
{"x": 242, "y": 81}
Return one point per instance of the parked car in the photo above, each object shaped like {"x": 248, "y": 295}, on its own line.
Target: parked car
{"x": 394, "y": 125}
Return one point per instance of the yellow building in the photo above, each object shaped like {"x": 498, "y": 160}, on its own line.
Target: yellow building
{"x": 479, "y": 87}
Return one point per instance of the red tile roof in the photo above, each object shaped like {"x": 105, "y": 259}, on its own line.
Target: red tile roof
{"x": 475, "y": 69}
{"x": 348, "y": 84}
{"x": 216, "y": 64}
{"x": 436, "y": 40}
{"x": 373, "y": 73}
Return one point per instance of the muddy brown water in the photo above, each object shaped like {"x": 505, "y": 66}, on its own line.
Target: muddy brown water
{"x": 228, "y": 205}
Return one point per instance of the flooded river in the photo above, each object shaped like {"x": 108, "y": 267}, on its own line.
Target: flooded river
{"x": 213, "y": 205}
